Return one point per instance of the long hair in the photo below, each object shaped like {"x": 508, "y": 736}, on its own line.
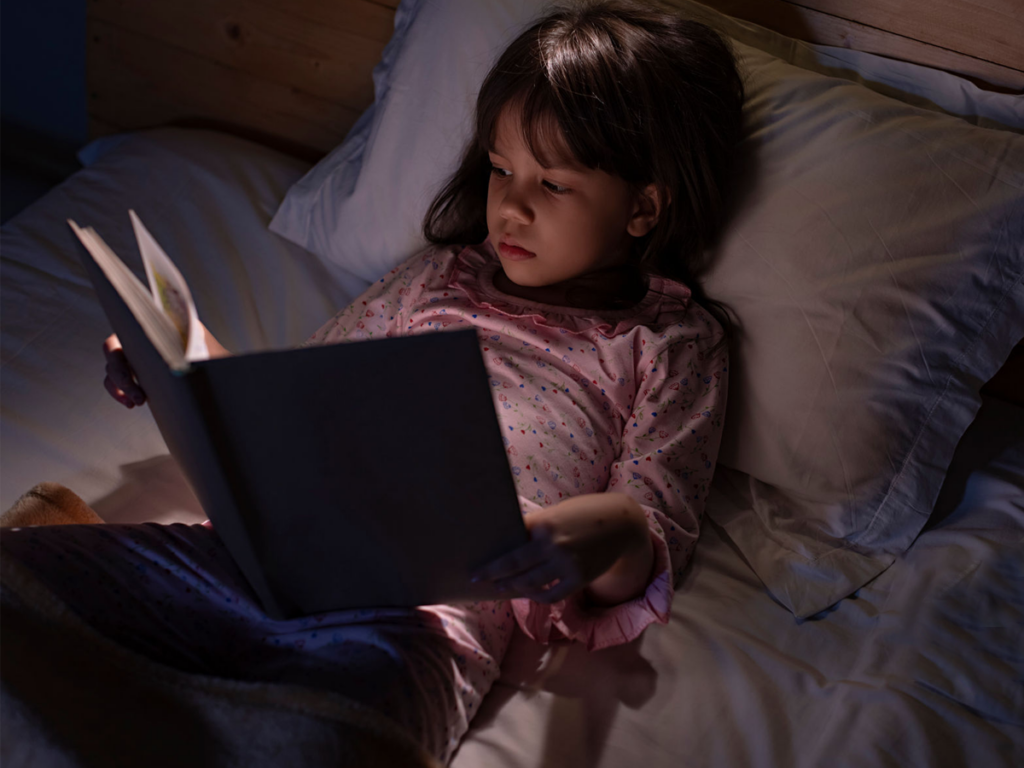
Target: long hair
{"x": 637, "y": 93}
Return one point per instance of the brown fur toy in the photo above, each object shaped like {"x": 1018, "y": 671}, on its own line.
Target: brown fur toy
{"x": 48, "y": 504}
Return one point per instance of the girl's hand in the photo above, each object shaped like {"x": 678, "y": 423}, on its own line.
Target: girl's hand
{"x": 120, "y": 381}
{"x": 573, "y": 544}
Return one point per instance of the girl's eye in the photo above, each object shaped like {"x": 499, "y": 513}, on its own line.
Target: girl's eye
{"x": 503, "y": 173}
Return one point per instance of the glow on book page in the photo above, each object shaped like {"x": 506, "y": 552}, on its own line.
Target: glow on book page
{"x": 170, "y": 292}
{"x": 154, "y": 322}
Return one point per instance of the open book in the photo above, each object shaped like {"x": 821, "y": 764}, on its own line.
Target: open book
{"x": 325, "y": 477}
{"x": 166, "y": 311}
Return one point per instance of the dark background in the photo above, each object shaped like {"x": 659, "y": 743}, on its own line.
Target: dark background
{"x": 43, "y": 120}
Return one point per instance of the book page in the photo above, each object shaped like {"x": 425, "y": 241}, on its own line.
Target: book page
{"x": 157, "y": 326}
{"x": 170, "y": 292}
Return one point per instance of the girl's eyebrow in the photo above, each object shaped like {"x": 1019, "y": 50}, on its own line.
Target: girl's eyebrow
{"x": 563, "y": 165}
{"x": 560, "y": 165}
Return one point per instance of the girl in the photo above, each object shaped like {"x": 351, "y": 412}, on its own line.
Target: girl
{"x": 594, "y": 182}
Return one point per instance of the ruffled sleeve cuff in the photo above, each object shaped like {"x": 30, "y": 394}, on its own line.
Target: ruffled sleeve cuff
{"x": 605, "y": 626}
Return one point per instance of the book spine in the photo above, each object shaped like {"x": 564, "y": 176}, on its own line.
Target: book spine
{"x": 222, "y": 490}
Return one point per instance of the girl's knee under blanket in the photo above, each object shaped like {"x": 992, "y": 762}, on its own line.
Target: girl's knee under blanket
{"x": 173, "y": 594}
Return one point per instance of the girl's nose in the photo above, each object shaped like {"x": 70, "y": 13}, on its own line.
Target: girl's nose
{"x": 515, "y": 207}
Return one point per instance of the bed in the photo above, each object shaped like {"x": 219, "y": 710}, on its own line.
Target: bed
{"x": 800, "y": 634}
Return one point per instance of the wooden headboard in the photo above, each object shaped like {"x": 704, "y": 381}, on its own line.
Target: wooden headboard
{"x": 295, "y": 74}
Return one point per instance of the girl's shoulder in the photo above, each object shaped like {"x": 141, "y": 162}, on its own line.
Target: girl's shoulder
{"x": 430, "y": 257}
{"x": 677, "y": 323}
{"x": 429, "y": 268}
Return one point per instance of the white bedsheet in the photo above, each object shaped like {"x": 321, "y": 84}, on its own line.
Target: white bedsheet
{"x": 923, "y": 667}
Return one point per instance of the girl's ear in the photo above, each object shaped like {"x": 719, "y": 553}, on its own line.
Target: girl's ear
{"x": 650, "y": 202}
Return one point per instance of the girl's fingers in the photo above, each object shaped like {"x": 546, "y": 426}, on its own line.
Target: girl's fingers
{"x": 120, "y": 374}
{"x": 559, "y": 591}
{"x": 121, "y": 378}
{"x": 533, "y": 579}
{"x": 117, "y": 393}
{"x": 555, "y": 581}
{"x": 113, "y": 351}
{"x": 528, "y": 556}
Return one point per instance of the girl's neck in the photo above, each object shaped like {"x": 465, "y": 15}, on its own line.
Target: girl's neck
{"x": 612, "y": 289}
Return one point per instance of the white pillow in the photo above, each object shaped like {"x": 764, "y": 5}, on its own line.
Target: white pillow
{"x": 912, "y": 83}
{"x": 362, "y": 206}
{"x": 874, "y": 264}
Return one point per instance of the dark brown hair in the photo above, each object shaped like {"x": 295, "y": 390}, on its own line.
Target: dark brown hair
{"x": 637, "y": 93}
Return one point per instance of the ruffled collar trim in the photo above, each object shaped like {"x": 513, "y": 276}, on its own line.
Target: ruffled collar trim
{"x": 476, "y": 265}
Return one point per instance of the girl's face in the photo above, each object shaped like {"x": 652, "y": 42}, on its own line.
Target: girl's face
{"x": 550, "y": 224}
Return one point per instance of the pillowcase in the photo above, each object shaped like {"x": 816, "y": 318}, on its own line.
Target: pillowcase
{"x": 362, "y": 206}
{"x": 873, "y": 263}
{"x": 911, "y": 83}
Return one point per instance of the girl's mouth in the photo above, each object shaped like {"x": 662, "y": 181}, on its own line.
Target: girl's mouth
{"x": 514, "y": 252}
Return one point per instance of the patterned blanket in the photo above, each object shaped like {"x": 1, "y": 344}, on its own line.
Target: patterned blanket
{"x": 72, "y": 697}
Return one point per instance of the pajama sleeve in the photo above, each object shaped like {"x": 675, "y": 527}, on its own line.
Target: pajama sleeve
{"x": 669, "y": 448}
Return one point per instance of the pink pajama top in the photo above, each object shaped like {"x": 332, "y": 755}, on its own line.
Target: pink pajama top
{"x": 630, "y": 401}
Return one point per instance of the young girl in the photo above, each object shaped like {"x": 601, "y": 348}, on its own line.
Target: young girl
{"x": 594, "y": 182}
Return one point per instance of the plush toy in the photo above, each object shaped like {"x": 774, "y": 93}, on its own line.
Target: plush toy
{"x": 48, "y": 504}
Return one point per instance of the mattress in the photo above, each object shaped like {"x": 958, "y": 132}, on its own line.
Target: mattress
{"x": 922, "y": 666}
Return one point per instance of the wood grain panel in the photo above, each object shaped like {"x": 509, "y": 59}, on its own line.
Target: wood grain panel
{"x": 797, "y": 21}
{"x": 297, "y": 73}
{"x": 327, "y": 49}
{"x": 139, "y": 81}
{"x": 991, "y": 30}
